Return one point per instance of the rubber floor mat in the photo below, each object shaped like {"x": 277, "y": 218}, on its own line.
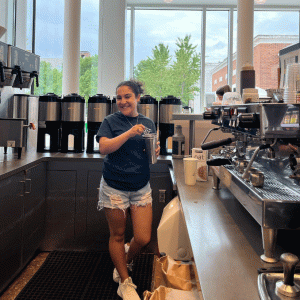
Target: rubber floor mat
{"x": 83, "y": 275}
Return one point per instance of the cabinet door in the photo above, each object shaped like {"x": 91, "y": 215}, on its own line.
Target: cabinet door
{"x": 34, "y": 210}
{"x": 97, "y": 228}
{"x": 61, "y": 208}
{"x": 11, "y": 214}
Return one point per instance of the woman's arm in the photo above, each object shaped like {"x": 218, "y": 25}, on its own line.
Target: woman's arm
{"x": 107, "y": 146}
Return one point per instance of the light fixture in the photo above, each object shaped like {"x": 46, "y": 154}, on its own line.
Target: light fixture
{"x": 260, "y": 1}
{"x": 168, "y": 1}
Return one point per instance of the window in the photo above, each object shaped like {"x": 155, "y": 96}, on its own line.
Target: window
{"x": 160, "y": 57}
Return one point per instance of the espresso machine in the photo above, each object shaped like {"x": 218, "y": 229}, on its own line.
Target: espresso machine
{"x": 167, "y": 107}
{"x": 72, "y": 122}
{"x": 99, "y": 106}
{"x": 49, "y": 123}
{"x": 260, "y": 163}
{"x": 148, "y": 106}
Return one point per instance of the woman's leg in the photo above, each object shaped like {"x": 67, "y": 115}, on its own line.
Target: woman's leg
{"x": 116, "y": 219}
{"x": 141, "y": 217}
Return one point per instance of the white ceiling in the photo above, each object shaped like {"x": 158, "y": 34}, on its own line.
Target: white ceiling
{"x": 192, "y": 3}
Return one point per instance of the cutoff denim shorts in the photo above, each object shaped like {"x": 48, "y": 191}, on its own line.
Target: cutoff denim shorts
{"x": 113, "y": 198}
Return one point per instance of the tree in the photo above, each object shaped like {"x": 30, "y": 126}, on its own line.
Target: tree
{"x": 186, "y": 69}
{"x": 155, "y": 71}
{"x": 179, "y": 78}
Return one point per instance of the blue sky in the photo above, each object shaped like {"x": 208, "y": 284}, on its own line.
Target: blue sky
{"x": 153, "y": 27}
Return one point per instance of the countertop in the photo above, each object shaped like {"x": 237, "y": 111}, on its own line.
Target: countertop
{"x": 225, "y": 239}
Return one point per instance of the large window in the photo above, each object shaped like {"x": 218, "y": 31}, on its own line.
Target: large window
{"x": 49, "y": 45}
{"x": 167, "y": 52}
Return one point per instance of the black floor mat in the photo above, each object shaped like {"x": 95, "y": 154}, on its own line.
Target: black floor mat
{"x": 83, "y": 275}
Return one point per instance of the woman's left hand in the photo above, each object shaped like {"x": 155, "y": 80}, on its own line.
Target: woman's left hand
{"x": 157, "y": 150}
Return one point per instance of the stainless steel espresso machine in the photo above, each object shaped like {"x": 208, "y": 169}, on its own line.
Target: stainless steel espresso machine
{"x": 260, "y": 164}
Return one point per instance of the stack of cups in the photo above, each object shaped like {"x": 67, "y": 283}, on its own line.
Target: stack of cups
{"x": 190, "y": 170}
{"x": 291, "y": 79}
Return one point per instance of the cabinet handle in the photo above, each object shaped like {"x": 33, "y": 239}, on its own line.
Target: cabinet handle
{"x": 28, "y": 180}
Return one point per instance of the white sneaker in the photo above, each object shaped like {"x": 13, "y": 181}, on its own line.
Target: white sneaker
{"x": 116, "y": 276}
{"x": 127, "y": 290}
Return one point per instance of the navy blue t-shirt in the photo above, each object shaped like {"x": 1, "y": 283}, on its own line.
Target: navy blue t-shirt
{"x": 127, "y": 168}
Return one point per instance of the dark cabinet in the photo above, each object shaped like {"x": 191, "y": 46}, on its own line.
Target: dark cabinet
{"x": 11, "y": 222}
{"x": 61, "y": 208}
{"x": 22, "y": 214}
{"x": 34, "y": 210}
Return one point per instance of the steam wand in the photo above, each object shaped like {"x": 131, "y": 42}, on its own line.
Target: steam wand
{"x": 261, "y": 147}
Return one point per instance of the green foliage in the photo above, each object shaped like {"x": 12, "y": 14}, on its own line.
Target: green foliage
{"x": 50, "y": 79}
{"x": 163, "y": 77}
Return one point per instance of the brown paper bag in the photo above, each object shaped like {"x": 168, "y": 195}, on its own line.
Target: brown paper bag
{"x": 172, "y": 274}
{"x": 164, "y": 293}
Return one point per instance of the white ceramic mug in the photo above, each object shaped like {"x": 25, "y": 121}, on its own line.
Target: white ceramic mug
{"x": 190, "y": 169}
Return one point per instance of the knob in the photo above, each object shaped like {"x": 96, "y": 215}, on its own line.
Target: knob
{"x": 287, "y": 286}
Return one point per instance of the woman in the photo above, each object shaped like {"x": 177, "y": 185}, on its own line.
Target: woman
{"x": 125, "y": 182}
{"x": 221, "y": 91}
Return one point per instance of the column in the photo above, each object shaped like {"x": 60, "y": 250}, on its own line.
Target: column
{"x": 71, "y": 55}
{"x": 21, "y": 24}
{"x": 245, "y": 15}
{"x": 111, "y": 56}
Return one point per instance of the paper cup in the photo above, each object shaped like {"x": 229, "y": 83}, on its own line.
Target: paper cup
{"x": 190, "y": 170}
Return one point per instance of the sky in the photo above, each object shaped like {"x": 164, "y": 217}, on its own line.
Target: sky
{"x": 154, "y": 27}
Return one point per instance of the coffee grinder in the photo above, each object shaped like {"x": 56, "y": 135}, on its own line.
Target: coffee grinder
{"x": 49, "y": 122}
{"x": 99, "y": 107}
{"x": 167, "y": 107}
{"x": 72, "y": 122}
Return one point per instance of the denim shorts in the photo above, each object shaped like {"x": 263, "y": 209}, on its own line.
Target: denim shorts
{"x": 113, "y": 198}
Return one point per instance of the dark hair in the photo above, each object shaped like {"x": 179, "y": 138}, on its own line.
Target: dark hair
{"x": 223, "y": 89}
{"x": 136, "y": 86}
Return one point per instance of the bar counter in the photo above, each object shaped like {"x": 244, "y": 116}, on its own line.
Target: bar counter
{"x": 225, "y": 239}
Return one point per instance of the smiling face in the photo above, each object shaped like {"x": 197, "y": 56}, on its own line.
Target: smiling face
{"x": 127, "y": 101}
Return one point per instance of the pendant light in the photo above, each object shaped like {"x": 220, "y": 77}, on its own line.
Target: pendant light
{"x": 168, "y": 1}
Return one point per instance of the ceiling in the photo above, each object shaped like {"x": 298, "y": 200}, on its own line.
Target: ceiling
{"x": 194, "y": 3}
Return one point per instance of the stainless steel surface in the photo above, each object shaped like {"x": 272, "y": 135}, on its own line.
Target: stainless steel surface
{"x": 72, "y": 111}
{"x": 287, "y": 286}
{"x": 12, "y": 132}
{"x": 151, "y": 141}
{"x": 9, "y": 78}
{"x": 166, "y": 112}
{"x": 27, "y": 82}
{"x": 257, "y": 179}
{"x": 267, "y": 286}
{"x": 98, "y": 111}
{"x": 149, "y": 110}
{"x": 49, "y": 111}
{"x": 18, "y": 107}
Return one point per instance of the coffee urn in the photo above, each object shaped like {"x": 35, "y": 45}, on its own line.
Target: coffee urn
{"x": 72, "y": 122}
{"x": 167, "y": 107}
{"x": 99, "y": 107}
{"x": 148, "y": 106}
{"x": 114, "y": 107}
{"x": 49, "y": 122}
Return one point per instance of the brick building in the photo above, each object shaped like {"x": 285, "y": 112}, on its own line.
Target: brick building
{"x": 265, "y": 60}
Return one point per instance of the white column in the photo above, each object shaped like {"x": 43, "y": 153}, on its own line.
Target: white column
{"x": 203, "y": 54}
{"x": 21, "y": 24}
{"x": 245, "y": 15}
{"x": 71, "y": 56}
{"x": 230, "y": 48}
{"x": 3, "y": 18}
{"x": 111, "y": 56}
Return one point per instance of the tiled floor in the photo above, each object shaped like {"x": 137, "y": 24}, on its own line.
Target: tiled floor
{"x": 15, "y": 288}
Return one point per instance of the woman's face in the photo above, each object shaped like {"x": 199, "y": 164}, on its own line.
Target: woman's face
{"x": 220, "y": 97}
{"x": 127, "y": 101}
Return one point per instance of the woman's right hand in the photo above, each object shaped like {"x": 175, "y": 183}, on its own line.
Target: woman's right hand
{"x": 136, "y": 130}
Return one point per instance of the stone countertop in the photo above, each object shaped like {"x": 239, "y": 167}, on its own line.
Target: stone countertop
{"x": 225, "y": 240}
